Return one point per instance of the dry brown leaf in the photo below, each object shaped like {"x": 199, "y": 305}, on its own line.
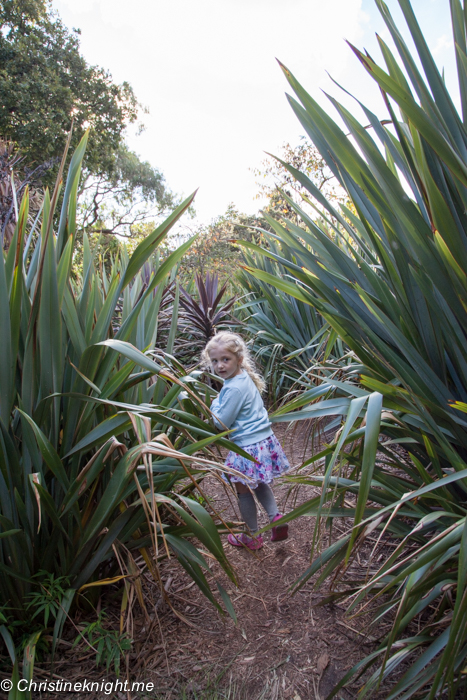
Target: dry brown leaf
{"x": 36, "y": 479}
{"x": 322, "y": 663}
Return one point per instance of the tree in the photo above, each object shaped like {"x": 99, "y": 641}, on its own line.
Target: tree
{"x": 131, "y": 194}
{"x": 18, "y": 12}
{"x": 45, "y": 82}
{"x": 214, "y": 249}
{"x": 274, "y": 180}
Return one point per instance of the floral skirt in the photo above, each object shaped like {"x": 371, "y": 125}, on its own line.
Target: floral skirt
{"x": 269, "y": 461}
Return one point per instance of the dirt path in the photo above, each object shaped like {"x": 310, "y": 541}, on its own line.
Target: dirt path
{"x": 282, "y": 646}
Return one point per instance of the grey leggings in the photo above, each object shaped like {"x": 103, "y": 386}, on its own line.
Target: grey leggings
{"x": 247, "y": 505}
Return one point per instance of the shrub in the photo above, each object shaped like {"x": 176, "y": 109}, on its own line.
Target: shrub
{"x": 101, "y": 436}
{"x": 395, "y": 291}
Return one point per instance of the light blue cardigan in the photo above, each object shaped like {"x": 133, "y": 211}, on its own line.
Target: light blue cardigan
{"x": 240, "y": 406}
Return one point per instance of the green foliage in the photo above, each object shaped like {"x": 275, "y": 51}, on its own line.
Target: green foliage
{"x": 20, "y": 12}
{"x": 274, "y": 180}
{"x": 289, "y": 337}
{"x": 109, "y": 644}
{"x": 96, "y": 443}
{"x": 11, "y": 186}
{"x": 46, "y": 600}
{"x": 44, "y": 81}
{"x": 390, "y": 281}
{"x": 121, "y": 200}
{"x": 215, "y": 251}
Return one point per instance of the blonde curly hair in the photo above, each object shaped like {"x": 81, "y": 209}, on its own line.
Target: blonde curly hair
{"x": 235, "y": 344}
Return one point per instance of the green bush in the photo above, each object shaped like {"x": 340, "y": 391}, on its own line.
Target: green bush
{"x": 101, "y": 434}
{"x": 395, "y": 290}
{"x": 288, "y": 337}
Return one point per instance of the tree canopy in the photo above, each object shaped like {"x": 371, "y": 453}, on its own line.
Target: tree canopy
{"x": 45, "y": 82}
{"x": 118, "y": 202}
{"x": 274, "y": 180}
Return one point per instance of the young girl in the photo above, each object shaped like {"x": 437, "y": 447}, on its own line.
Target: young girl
{"x": 240, "y": 406}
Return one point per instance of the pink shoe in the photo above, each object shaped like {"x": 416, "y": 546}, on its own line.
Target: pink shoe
{"x": 244, "y": 540}
{"x": 281, "y": 532}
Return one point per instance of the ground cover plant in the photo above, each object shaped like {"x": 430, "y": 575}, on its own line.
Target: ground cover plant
{"x": 102, "y": 433}
{"x": 395, "y": 291}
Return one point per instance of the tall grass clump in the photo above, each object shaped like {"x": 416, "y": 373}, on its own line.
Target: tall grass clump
{"x": 102, "y": 433}
{"x": 288, "y": 337}
{"x": 391, "y": 281}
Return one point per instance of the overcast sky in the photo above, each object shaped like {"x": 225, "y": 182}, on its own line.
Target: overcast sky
{"x": 206, "y": 71}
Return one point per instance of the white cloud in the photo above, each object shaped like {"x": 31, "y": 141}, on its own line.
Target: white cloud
{"x": 443, "y": 42}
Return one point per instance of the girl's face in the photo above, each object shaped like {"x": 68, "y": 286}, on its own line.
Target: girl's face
{"x": 224, "y": 363}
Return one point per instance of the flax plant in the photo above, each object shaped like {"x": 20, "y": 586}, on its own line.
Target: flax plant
{"x": 287, "y": 336}
{"x": 391, "y": 282}
{"x": 103, "y": 435}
